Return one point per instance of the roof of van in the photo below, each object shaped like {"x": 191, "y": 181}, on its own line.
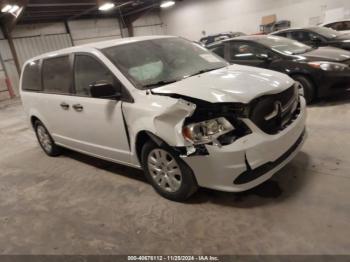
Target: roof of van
{"x": 99, "y": 45}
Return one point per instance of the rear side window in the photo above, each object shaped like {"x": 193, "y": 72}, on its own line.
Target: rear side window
{"x": 57, "y": 77}
{"x": 31, "y": 77}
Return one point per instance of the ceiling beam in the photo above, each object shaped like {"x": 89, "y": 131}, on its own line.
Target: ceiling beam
{"x": 61, "y": 4}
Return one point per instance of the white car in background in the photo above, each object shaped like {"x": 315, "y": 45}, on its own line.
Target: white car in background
{"x": 342, "y": 26}
{"x": 168, "y": 106}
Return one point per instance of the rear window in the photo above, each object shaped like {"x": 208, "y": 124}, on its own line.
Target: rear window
{"x": 57, "y": 76}
{"x": 31, "y": 77}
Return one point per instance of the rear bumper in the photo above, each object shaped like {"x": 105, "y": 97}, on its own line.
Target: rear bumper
{"x": 250, "y": 160}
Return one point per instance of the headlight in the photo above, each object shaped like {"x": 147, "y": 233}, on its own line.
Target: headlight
{"x": 329, "y": 66}
{"x": 206, "y": 131}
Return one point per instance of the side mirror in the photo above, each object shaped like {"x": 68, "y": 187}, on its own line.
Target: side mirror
{"x": 104, "y": 89}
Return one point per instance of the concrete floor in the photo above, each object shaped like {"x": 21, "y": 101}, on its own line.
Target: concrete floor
{"x": 76, "y": 204}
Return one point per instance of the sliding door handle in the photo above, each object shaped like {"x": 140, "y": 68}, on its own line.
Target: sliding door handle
{"x": 64, "y": 105}
{"x": 78, "y": 107}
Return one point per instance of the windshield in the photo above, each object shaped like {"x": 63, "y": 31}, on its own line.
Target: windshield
{"x": 284, "y": 45}
{"x": 326, "y": 32}
{"x": 157, "y": 62}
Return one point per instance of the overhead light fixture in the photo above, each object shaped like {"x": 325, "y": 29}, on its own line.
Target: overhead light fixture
{"x": 6, "y": 8}
{"x": 106, "y": 6}
{"x": 167, "y": 4}
{"x": 13, "y": 9}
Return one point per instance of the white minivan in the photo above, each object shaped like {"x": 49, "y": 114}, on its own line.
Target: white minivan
{"x": 168, "y": 106}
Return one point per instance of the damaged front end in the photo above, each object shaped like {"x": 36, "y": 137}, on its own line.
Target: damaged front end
{"x": 227, "y": 149}
{"x": 207, "y": 123}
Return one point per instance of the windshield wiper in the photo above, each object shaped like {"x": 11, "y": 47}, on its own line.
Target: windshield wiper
{"x": 204, "y": 71}
{"x": 160, "y": 83}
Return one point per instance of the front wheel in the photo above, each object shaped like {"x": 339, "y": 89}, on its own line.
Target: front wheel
{"x": 167, "y": 173}
{"x": 306, "y": 88}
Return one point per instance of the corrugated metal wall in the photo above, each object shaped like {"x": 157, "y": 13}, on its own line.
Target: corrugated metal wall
{"x": 94, "y": 30}
{"x": 10, "y": 66}
{"x": 28, "y": 47}
{"x": 149, "y": 24}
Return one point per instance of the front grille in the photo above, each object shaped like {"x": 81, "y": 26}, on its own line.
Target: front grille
{"x": 273, "y": 113}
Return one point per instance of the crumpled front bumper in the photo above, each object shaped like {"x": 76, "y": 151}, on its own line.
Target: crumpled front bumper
{"x": 224, "y": 167}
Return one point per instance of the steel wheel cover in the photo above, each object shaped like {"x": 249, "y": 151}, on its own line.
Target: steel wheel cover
{"x": 164, "y": 170}
{"x": 44, "y": 138}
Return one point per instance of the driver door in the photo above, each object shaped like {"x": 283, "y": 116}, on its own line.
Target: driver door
{"x": 95, "y": 125}
{"x": 247, "y": 53}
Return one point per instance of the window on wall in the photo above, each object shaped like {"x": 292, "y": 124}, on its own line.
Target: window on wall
{"x": 57, "y": 77}
{"x": 89, "y": 71}
{"x": 31, "y": 77}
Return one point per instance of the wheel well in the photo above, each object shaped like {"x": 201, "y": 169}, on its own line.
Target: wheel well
{"x": 308, "y": 77}
{"x": 33, "y": 119}
{"x": 141, "y": 139}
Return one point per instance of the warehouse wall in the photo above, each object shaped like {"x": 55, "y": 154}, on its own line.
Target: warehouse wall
{"x": 10, "y": 68}
{"x": 94, "y": 30}
{"x": 148, "y": 24}
{"x": 189, "y": 18}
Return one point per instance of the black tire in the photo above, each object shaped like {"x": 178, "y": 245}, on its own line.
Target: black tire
{"x": 188, "y": 185}
{"x": 53, "y": 150}
{"x": 307, "y": 86}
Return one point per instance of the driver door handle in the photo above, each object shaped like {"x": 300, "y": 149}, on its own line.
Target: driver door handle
{"x": 78, "y": 107}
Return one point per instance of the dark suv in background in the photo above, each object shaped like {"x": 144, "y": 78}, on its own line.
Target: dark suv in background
{"x": 318, "y": 71}
{"x": 317, "y": 36}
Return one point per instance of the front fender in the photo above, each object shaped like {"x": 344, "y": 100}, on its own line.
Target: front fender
{"x": 160, "y": 115}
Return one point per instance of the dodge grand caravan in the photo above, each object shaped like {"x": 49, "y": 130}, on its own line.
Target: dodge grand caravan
{"x": 168, "y": 106}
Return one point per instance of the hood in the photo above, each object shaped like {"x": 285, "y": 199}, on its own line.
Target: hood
{"x": 331, "y": 54}
{"x": 234, "y": 83}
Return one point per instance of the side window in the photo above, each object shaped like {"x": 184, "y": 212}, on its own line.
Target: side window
{"x": 88, "y": 71}
{"x": 300, "y": 36}
{"x": 330, "y": 25}
{"x": 282, "y": 34}
{"x": 57, "y": 77}
{"x": 346, "y": 25}
{"x": 246, "y": 51}
{"x": 31, "y": 79}
{"x": 339, "y": 26}
{"x": 219, "y": 50}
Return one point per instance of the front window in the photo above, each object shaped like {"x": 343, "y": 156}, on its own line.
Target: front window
{"x": 157, "y": 62}
{"x": 284, "y": 45}
{"x": 326, "y": 32}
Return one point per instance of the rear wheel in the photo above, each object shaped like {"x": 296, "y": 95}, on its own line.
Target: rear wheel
{"x": 45, "y": 140}
{"x": 167, "y": 173}
{"x": 306, "y": 88}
